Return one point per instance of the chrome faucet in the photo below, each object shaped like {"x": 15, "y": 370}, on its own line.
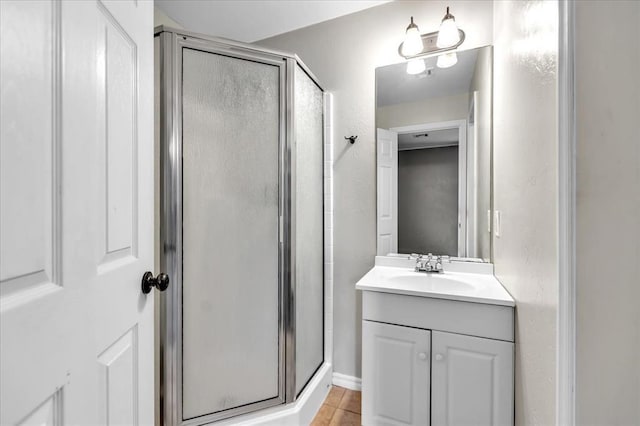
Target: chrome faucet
{"x": 429, "y": 264}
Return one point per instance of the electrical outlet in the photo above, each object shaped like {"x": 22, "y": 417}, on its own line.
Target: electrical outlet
{"x": 497, "y": 218}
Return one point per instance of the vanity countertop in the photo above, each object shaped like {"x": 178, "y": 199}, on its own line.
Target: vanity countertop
{"x": 450, "y": 285}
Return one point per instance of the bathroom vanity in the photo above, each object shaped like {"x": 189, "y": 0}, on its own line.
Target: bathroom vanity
{"x": 436, "y": 348}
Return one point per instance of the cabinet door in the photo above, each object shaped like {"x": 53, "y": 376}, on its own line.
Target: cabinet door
{"x": 395, "y": 375}
{"x": 472, "y": 381}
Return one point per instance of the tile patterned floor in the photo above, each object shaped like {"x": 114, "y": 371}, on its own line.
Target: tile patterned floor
{"x": 341, "y": 408}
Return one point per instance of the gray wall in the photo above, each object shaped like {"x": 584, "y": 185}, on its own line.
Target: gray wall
{"x": 608, "y": 213}
{"x": 525, "y": 191}
{"x": 431, "y": 110}
{"x": 343, "y": 53}
{"x": 428, "y": 201}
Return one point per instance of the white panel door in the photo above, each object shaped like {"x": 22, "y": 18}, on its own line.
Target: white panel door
{"x": 76, "y": 224}
{"x": 123, "y": 341}
{"x": 472, "y": 381}
{"x": 387, "y": 175}
{"x": 395, "y": 375}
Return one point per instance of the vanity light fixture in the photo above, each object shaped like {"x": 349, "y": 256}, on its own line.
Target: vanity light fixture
{"x": 447, "y": 60}
{"x": 416, "y": 66}
{"x": 412, "y": 44}
{"x": 448, "y": 35}
{"x": 416, "y": 45}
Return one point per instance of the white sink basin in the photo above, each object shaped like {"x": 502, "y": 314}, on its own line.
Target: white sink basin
{"x": 462, "y": 286}
{"x": 439, "y": 282}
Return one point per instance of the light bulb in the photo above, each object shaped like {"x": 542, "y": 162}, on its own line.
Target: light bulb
{"x": 448, "y": 35}
{"x": 447, "y": 60}
{"x": 416, "y": 66}
{"x": 413, "y": 41}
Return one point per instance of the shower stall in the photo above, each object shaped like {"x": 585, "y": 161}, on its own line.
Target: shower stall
{"x": 240, "y": 137}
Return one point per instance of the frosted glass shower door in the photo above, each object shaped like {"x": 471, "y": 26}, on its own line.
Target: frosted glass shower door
{"x": 231, "y": 261}
{"x": 309, "y": 229}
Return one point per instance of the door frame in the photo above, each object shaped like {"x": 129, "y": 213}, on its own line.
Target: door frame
{"x": 473, "y": 225}
{"x": 566, "y": 315}
{"x": 461, "y": 125}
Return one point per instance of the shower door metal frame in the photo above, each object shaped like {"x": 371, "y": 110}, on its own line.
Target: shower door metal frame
{"x": 292, "y": 68}
{"x": 171, "y": 51}
{"x": 172, "y": 43}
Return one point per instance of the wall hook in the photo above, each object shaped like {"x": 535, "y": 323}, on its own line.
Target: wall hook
{"x": 351, "y": 139}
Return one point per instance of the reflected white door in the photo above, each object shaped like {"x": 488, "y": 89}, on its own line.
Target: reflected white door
{"x": 387, "y": 175}
{"x": 76, "y": 223}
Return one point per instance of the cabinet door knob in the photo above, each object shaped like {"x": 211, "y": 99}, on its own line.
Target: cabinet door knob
{"x": 422, "y": 356}
{"x": 439, "y": 357}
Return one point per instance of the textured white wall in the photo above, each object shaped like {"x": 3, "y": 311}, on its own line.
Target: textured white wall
{"x": 343, "y": 53}
{"x": 608, "y": 213}
{"x": 525, "y": 191}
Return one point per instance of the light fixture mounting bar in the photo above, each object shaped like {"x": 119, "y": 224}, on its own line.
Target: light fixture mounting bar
{"x": 429, "y": 41}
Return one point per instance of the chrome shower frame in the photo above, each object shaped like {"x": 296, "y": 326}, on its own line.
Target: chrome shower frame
{"x": 171, "y": 45}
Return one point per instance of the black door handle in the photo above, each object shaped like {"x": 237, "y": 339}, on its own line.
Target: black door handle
{"x": 161, "y": 282}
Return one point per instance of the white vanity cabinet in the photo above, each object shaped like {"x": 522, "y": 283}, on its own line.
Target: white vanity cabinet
{"x": 471, "y": 380}
{"x": 433, "y": 358}
{"x": 396, "y": 368}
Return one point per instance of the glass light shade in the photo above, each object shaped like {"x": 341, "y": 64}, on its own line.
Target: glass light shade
{"x": 447, "y": 60}
{"x": 416, "y": 66}
{"x": 412, "y": 42}
{"x": 448, "y": 35}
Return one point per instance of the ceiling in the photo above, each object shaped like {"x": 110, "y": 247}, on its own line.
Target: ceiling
{"x": 253, "y": 20}
{"x": 434, "y": 138}
{"x": 395, "y": 86}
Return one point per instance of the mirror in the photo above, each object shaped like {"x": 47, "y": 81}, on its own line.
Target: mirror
{"x": 434, "y": 157}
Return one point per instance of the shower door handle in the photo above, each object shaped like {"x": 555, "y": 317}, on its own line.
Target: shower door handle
{"x": 161, "y": 282}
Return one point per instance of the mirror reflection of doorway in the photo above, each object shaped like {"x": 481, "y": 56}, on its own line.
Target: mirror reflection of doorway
{"x": 428, "y": 192}
{"x": 425, "y": 182}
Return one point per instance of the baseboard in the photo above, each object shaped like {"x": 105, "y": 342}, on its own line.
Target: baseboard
{"x": 349, "y": 382}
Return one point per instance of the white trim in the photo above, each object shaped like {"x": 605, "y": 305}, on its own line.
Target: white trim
{"x": 328, "y": 227}
{"x": 441, "y": 125}
{"x": 473, "y": 224}
{"x": 349, "y": 382}
{"x": 300, "y": 412}
{"x": 566, "y": 319}
{"x": 461, "y": 125}
{"x": 433, "y": 145}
